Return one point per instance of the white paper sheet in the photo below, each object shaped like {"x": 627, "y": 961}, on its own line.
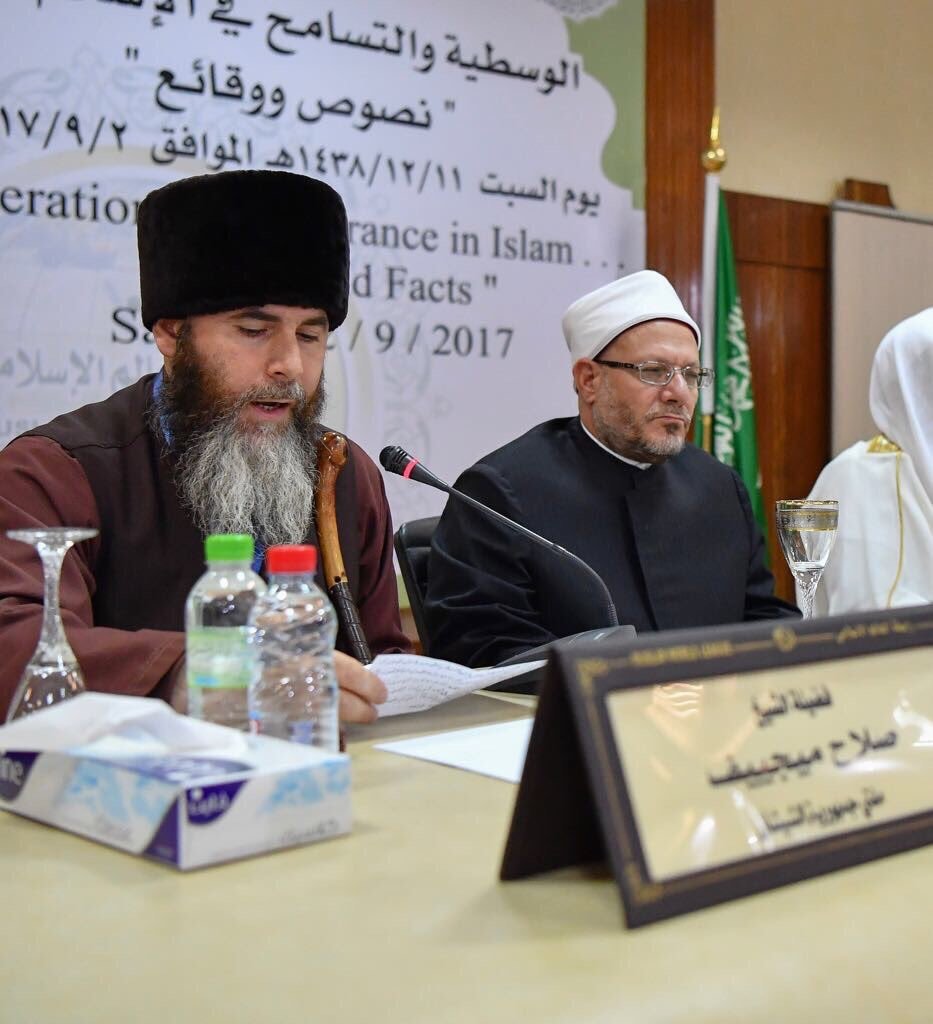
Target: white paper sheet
{"x": 416, "y": 683}
{"x": 497, "y": 750}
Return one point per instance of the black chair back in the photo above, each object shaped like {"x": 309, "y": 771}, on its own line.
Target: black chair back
{"x": 413, "y": 546}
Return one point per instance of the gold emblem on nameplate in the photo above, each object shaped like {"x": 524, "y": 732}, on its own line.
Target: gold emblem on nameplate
{"x": 784, "y": 639}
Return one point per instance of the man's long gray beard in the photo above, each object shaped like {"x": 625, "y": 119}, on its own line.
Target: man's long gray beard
{"x": 260, "y": 482}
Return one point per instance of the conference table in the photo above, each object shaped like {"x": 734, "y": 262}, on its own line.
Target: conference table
{"x": 405, "y": 920}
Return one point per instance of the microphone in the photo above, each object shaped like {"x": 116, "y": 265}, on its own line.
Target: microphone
{"x": 396, "y": 460}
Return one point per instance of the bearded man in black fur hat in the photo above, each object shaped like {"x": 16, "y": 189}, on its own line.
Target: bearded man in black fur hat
{"x": 243, "y": 275}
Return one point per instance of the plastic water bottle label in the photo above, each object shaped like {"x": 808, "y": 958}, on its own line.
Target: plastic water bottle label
{"x": 219, "y": 658}
{"x": 301, "y": 731}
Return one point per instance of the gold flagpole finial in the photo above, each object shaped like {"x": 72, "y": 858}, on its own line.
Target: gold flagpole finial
{"x": 714, "y": 156}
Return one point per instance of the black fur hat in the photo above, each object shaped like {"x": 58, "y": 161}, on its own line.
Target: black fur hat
{"x": 242, "y": 238}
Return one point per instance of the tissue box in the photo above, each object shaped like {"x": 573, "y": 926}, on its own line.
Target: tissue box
{"x": 132, "y": 773}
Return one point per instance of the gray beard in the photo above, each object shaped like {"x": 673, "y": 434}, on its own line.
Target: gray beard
{"x": 617, "y": 428}
{"x": 632, "y": 444}
{"x": 260, "y": 482}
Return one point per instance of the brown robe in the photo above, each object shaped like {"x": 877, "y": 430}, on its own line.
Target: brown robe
{"x": 123, "y": 593}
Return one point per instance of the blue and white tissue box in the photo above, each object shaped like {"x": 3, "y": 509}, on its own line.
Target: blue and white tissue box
{"x": 132, "y": 773}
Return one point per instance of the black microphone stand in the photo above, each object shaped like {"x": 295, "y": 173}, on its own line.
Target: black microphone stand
{"x": 396, "y": 460}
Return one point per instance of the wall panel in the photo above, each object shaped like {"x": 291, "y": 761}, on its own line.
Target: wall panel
{"x": 679, "y": 103}
{"x": 781, "y": 251}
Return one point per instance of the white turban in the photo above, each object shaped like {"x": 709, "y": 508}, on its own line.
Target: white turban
{"x": 901, "y": 391}
{"x": 593, "y": 321}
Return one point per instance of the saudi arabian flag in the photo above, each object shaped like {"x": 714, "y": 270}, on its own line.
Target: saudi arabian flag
{"x": 734, "y": 438}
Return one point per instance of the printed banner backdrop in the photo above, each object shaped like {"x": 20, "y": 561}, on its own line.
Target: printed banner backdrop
{"x": 468, "y": 141}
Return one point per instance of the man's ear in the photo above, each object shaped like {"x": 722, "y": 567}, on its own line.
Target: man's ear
{"x": 165, "y": 333}
{"x": 585, "y": 379}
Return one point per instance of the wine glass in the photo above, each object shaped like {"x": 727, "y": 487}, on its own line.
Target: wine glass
{"x": 807, "y": 530}
{"x": 53, "y": 673}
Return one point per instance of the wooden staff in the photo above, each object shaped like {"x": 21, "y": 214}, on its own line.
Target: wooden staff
{"x": 331, "y": 458}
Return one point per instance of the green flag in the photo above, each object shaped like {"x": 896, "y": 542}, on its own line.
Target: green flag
{"x": 735, "y": 441}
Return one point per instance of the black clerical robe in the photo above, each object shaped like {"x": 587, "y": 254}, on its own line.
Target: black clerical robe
{"x": 676, "y": 544}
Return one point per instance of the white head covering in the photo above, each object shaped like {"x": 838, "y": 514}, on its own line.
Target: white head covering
{"x": 901, "y": 391}
{"x": 593, "y": 321}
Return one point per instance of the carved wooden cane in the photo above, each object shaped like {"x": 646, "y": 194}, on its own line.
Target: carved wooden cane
{"x": 331, "y": 458}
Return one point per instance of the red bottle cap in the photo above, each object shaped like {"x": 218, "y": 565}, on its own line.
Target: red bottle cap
{"x": 291, "y": 558}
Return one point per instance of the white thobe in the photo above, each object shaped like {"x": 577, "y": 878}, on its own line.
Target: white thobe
{"x": 883, "y": 553}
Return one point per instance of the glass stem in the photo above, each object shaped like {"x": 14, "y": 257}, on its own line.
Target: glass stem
{"x": 807, "y": 583}
{"x": 53, "y": 636}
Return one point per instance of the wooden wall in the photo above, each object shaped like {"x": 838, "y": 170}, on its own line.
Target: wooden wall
{"x": 782, "y": 256}
{"x": 781, "y": 249}
{"x": 679, "y": 101}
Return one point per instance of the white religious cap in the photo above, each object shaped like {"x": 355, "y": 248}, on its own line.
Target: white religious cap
{"x": 593, "y": 321}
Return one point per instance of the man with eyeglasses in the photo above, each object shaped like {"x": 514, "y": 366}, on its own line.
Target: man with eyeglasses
{"x": 668, "y": 528}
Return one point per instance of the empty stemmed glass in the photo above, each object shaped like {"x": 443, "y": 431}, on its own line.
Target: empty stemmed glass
{"x": 53, "y": 673}
{"x": 807, "y": 530}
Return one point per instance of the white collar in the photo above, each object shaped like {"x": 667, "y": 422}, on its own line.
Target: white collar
{"x": 615, "y": 455}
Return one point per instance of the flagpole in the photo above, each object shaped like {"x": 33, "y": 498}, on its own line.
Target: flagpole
{"x": 728, "y": 411}
{"x": 713, "y": 159}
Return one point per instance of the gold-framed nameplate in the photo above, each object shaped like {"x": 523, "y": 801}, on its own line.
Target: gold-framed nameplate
{"x": 710, "y": 764}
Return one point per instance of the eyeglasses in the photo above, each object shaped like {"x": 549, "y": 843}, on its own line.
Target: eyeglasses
{"x": 660, "y": 374}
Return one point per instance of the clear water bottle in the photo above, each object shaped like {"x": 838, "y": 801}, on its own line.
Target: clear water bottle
{"x": 293, "y": 628}
{"x": 218, "y": 656}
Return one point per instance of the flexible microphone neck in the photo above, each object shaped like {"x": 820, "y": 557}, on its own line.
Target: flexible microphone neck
{"x": 396, "y": 460}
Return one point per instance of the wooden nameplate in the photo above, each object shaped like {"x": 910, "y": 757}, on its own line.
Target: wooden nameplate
{"x": 706, "y": 765}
